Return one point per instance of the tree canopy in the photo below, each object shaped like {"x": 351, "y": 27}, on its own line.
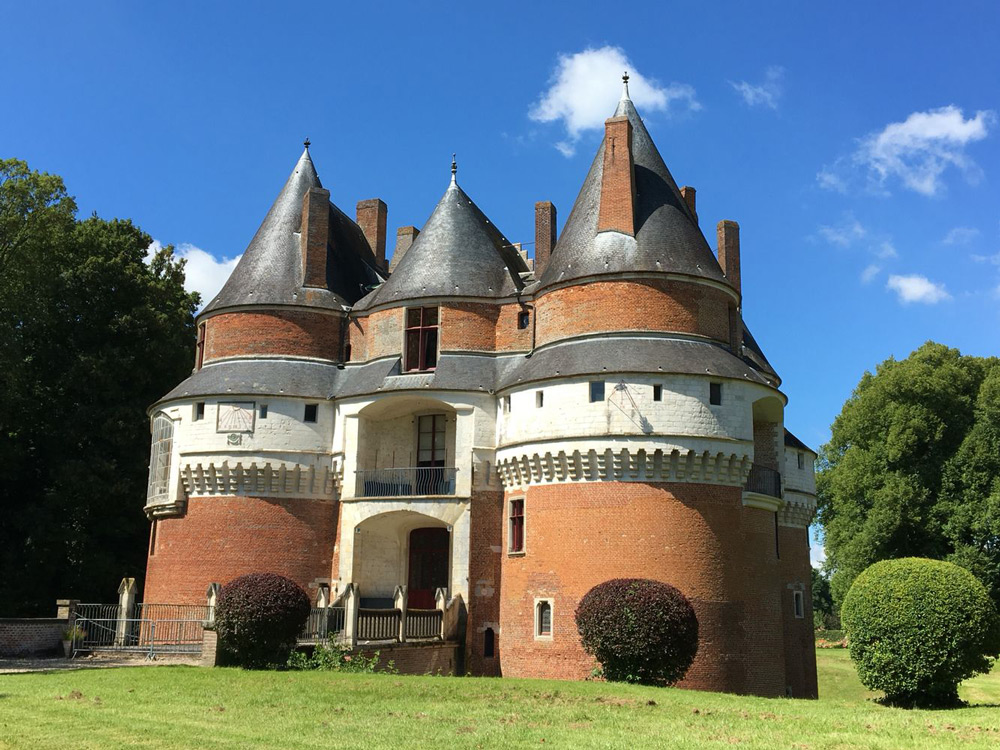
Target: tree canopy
{"x": 913, "y": 467}
{"x": 91, "y": 333}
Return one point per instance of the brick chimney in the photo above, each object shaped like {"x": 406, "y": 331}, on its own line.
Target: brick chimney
{"x": 372, "y": 214}
{"x": 687, "y": 193}
{"x": 405, "y": 237}
{"x": 314, "y": 236}
{"x": 617, "y": 212}
{"x": 545, "y": 235}
{"x": 728, "y": 233}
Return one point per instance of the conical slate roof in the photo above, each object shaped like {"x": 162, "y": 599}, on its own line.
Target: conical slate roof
{"x": 458, "y": 253}
{"x": 270, "y": 271}
{"x": 667, "y": 237}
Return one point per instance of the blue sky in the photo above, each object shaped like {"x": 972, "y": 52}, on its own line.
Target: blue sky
{"x": 857, "y": 144}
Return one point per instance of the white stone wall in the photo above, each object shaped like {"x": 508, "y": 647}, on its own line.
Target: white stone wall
{"x": 796, "y": 479}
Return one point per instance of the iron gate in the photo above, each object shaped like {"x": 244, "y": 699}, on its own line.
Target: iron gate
{"x": 149, "y": 629}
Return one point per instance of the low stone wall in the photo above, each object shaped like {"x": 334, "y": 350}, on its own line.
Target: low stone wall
{"x": 26, "y": 636}
{"x": 418, "y": 658}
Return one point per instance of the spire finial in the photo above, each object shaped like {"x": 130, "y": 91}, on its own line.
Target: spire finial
{"x": 625, "y": 85}
{"x": 454, "y": 167}
{"x": 307, "y": 143}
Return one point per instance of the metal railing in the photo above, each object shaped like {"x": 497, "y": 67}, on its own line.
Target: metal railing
{"x": 407, "y": 481}
{"x": 149, "y": 637}
{"x": 423, "y": 623}
{"x": 195, "y": 612}
{"x": 764, "y": 481}
{"x": 378, "y": 624}
{"x": 324, "y": 623}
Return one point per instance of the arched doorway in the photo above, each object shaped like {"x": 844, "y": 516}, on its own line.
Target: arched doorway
{"x": 428, "y": 565}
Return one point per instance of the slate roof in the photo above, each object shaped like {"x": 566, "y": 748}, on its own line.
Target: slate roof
{"x": 754, "y": 355}
{"x": 793, "y": 442}
{"x": 458, "y": 253}
{"x": 270, "y": 271}
{"x": 667, "y": 236}
{"x": 264, "y": 377}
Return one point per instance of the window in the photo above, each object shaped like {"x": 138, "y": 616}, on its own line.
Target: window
{"x": 152, "y": 538}
{"x": 311, "y": 412}
{"x": 657, "y": 393}
{"x": 715, "y": 394}
{"x": 596, "y": 391}
{"x": 516, "y": 535}
{"x": 539, "y": 399}
{"x": 505, "y": 404}
{"x": 543, "y": 619}
{"x": 799, "y": 604}
{"x": 523, "y": 319}
{"x": 159, "y": 458}
{"x": 200, "y": 359}
{"x": 199, "y": 411}
{"x": 421, "y": 339}
{"x": 263, "y": 411}
{"x": 347, "y": 353}
{"x": 802, "y": 460}
{"x": 430, "y": 440}
{"x": 489, "y": 643}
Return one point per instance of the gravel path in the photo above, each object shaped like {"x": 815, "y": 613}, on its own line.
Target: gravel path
{"x": 50, "y": 664}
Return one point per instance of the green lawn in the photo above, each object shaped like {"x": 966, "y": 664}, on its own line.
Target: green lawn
{"x": 210, "y": 708}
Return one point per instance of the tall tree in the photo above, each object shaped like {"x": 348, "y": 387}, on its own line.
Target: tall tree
{"x": 91, "y": 333}
{"x": 880, "y": 482}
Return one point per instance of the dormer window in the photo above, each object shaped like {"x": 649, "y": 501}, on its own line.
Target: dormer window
{"x": 421, "y": 339}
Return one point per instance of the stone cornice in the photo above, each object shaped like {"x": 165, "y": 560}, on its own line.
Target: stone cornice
{"x": 263, "y": 479}
{"x": 798, "y": 511}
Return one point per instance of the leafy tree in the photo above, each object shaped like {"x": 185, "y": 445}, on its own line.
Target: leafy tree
{"x": 897, "y": 468}
{"x": 90, "y": 335}
{"x": 824, "y": 615}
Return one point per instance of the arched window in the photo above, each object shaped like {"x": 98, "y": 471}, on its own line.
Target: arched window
{"x": 489, "y": 643}
{"x": 159, "y": 458}
{"x": 543, "y": 619}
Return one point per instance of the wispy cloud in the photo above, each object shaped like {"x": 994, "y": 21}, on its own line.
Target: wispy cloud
{"x": 917, "y": 289}
{"x": 765, "y": 94}
{"x": 915, "y": 152}
{"x": 585, "y": 86}
{"x": 885, "y": 250}
{"x": 869, "y": 274}
{"x": 960, "y": 236}
{"x": 203, "y": 272}
{"x": 993, "y": 259}
{"x": 843, "y": 234}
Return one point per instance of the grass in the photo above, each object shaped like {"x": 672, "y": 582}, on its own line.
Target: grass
{"x": 174, "y": 706}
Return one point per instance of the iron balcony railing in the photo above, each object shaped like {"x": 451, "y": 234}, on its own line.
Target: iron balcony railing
{"x": 409, "y": 481}
{"x": 764, "y": 481}
{"x": 324, "y": 623}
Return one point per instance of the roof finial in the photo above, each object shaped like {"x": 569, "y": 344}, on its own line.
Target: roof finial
{"x": 454, "y": 168}
{"x": 307, "y": 143}
{"x": 625, "y": 85}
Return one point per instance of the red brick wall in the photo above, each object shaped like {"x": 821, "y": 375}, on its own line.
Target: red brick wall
{"x": 485, "y": 562}
{"x": 696, "y": 537}
{"x": 800, "y": 647}
{"x": 300, "y": 333}
{"x": 469, "y": 326}
{"x": 382, "y": 333}
{"x": 21, "y": 637}
{"x": 220, "y": 538}
{"x": 634, "y": 305}
{"x": 509, "y": 336}
{"x": 617, "y": 211}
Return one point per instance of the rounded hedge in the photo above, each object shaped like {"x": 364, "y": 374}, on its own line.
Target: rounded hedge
{"x": 258, "y": 618}
{"x": 639, "y": 630}
{"x": 916, "y": 628}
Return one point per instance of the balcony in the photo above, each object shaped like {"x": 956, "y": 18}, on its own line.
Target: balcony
{"x": 764, "y": 481}
{"x": 406, "y": 482}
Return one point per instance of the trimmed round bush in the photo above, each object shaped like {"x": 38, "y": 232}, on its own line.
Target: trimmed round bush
{"x": 639, "y": 630}
{"x": 916, "y": 628}
{"x": 258, "y": 618}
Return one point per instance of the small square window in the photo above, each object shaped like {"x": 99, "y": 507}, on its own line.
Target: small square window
{"x": 657, "y": 393}
{"x": 596, "y": 391}
{"x": 543, "y": 619}
{"x": 523, "y": 319}
{"x": 539, "y": 399}
{"x": 311, "y": 411}
{"x": 802, "y": 460}
{"x": 199, "y": 411}
{"x": 799, "y": 604}
{"x": 263, "y": 411}
{"x": 715, "y": 394}
{"x": 505, "y": 402}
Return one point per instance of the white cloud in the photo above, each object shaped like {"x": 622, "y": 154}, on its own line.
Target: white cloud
{"x": 203, "y": 272}
{"x": 994, "y": 259}
{"x": 765, "y": 94}
{"x": 960, "y": 236}
{"x": 869, "y": 274}
{"x": 817, "y": 552}
{"x": 586, "y": 85}
{"x": 843, "y": 234}
{"x": 918, "y": 150}
{"x": 917, "y": 289}
{"x": 886, "y": 250}
{"x": 829, "y": 180}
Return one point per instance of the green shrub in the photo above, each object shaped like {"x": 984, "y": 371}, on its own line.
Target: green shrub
{"x": 333, "y": 657}
{"x": 638, "y": 630}
{"x": 916, "y": 628}
{"x": 258, "y": 618}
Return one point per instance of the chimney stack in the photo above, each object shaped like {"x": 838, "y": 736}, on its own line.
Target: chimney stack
{"x": 315, "y": 236}
{"x": 617, "y": 212}
{"x": 728, "y": 233}
{"x": 405, "y": 237}
{"x": 545, "y": 235}
{"x": 372, "y": 215}
{"x": 687, "y": 193}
